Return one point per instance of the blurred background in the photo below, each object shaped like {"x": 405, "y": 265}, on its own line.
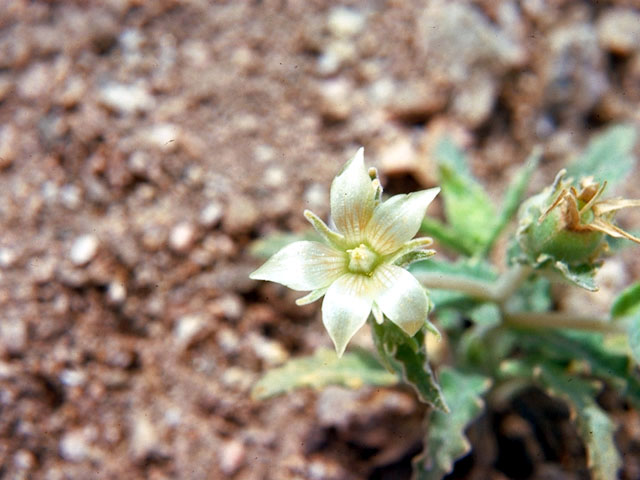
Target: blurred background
{"x": 145, "y": 145}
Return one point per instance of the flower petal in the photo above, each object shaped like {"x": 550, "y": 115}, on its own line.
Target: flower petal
{"x": 397, "y": 220}
{"x": 403, "y": 300}
{"x": 353, "y": 199}
{"x": 345, "y": 308}
{"x": 303, "y": 266}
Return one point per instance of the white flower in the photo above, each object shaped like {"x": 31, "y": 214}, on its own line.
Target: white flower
{"x": 359, "y": 269}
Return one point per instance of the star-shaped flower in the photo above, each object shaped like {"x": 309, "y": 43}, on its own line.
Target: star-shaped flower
{"x": 359, "y": 268}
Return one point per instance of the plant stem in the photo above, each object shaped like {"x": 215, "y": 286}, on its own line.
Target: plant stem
{"x": 561, "y": 320}
{"x": 498, "y": 291}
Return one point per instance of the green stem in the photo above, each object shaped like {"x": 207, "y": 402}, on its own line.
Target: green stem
{"x": 561, "y": 320}
{"x": 498, "y": 291}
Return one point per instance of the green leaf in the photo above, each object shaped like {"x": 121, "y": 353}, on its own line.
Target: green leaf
{"x": 627, "y": 303}
{"x": 467, "y": 205}
{"x": 407, "y": 356}
{"x": 582, "y": 276}
{"x": 594, "y": 426}
{"x": 513, "y": 198}
{"x": 608, "y": 156}
{"x": 533, "y": 296}
{"x": 323, "y": 368}
{"x": 447, "y": 236}
{"x": 633, "y": 336}
{"x": 445, "y": 441}
{"x": 571, "y": 346}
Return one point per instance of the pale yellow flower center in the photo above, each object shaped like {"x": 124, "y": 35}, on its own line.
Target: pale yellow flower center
{"x": 362, "y": 259}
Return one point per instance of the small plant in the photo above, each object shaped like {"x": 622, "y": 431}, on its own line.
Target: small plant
{"x": 500, "y": 328}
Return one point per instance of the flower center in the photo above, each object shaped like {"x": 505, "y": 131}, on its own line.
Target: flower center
{"x": 362, "y": 259}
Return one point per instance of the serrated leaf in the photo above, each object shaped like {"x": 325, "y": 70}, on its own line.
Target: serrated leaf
{"x": 407, "y": 356}
{"x": 589, "y": 347}
{"x": 467, "y": 205}
{"x": 446, "y": 441}
{"x": 582, "y": 276}
{"x": 513, "y": 198}
{"x": 607, "y": 157}
{"x": 533, "y": 296}
{"x": 447, "y": 236}
{"x": 627, "y": 303}
{"x": 594, "y": 426}
{"x": 323, "y": 368}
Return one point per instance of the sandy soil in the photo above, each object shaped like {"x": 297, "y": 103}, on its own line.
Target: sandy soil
{"x": 144, "y": 145}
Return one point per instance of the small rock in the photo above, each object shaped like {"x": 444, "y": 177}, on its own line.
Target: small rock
{"x": 116, "y": 293}
{"x": 271, "y": 352}
{"x": 274, "y": 177}
{"x": 228, "y": 340}
{"x": 13, "y": 334}
{"x": 232, "y": 456}
{"x": 144, "y": 439}
{"x": 229, "y": 306}
{"x": 74, "y": 446}
{"x": 211, "y": 215}
{"x": 70, "y": 196}
{"x": 83, "y": 250}
{"x": 188, "y": 329}
{"x": 345, "y": 22}
{"x": 316, "y": 196}
{"x": 8, "y": 146}
{"x": 24, "y": 460}
{"x": 8, "y": 257}
{"x": 335, "y": 99}
{"x": 72, "y": 378}
{"x": 619, "y": 30}
{"x": 241, "y": 215}
{"x": 126, "y": 99}
{"x": 182, "y": 237}
{"x": 164, "y": 136}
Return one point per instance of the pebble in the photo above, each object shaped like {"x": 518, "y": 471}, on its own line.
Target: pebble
{"x": 271, "y": 352}
{"x": 229, "y": 306}
{"x": 231, "y": 456}
{"x": 74, "y": 446}
{"x": 116, "y": 293}
{"x": 619, "y": 30}
{"x": 345, "y": 22}
{"x": 144, "y": 438}
{"x": 126, "y": 99}
{"x": 241, "y": 215}
{"x": 211, "y": 215}
{"x": 8, "y": 257}
{"x": 83, "y": 250}
{"x": 70, "y": 196}
{"x": 164, "y": 136}
{"x": 316, "y": 196}
{"x": 8, "y": 145}
{"x": 335, "y": 99}
{"x": 182, "y": 237}
{"x": 24, "y": 459}
{"x": 188, "y": 329}
{"x": 13, "y": 334}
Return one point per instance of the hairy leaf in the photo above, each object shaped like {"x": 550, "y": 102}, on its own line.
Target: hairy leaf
{"x": 594, "y": 426}
{"x": 513, "y": 198}
{"x": 627, "y": 303}
{"x": 467, "y": 205}
{"x": 608, "y": 156}
{"x": 445, "y": 441}
{"x": 407, "y": 356}
{"x": 323, "y": 368}
{"x": 447, "y": 236}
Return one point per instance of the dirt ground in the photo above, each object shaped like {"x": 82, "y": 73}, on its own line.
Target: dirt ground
{"x": 144, "y": 145}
